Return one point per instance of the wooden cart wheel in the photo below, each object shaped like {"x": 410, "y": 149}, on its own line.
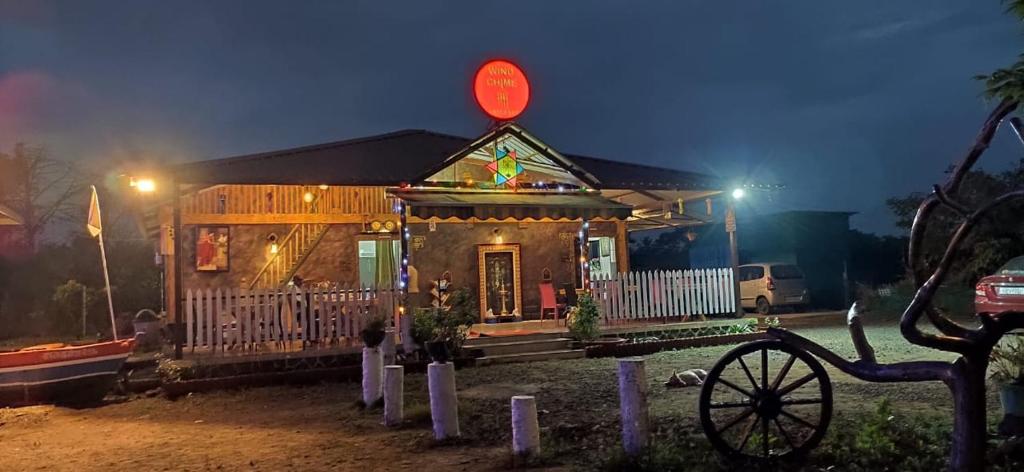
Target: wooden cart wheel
{"x": 766, "y": 401}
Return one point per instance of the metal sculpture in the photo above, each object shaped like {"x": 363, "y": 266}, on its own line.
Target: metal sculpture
{"x": 749, "y": 413}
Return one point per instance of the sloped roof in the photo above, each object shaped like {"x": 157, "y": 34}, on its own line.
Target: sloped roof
{"x": 402, "y": 157}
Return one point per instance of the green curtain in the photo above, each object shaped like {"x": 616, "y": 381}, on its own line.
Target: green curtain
{"x": 387, "y": 264}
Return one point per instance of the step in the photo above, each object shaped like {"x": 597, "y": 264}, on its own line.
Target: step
{"x": 532, "y": 357}
{"x": 485, "y": 340}
{"x": 521, "y": 347}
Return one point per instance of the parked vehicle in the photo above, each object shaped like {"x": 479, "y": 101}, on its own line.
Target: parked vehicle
{"x": 764, "y": 286}
{"x": 1002, "y": 291}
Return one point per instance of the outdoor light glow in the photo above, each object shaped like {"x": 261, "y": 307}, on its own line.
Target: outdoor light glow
{"x": 738, "y": 193}
{"x": 308, "y": 197}
{"x": 273, "y": 248}
{"x": 323, "y": 186}
{"x": 145, "y": 185}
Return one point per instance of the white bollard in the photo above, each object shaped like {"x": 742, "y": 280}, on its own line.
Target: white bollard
{"x": 394, "y": 378}
{"x": 444, "y": 406}
{"x": 525, "y": 429}
{"x": 373, "y": 375}
{"x": 388, "y": 346}
{"x": 633, "y": 404}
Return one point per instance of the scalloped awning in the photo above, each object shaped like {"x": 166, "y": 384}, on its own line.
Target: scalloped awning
{"x": 512, "y": 205}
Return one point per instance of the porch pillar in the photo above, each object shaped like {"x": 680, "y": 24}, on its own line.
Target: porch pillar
{"x": 177, "y": 281}
{"x": 622, "y": 246}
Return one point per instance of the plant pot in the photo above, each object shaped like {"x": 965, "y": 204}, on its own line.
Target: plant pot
{"x": 439, "y": 351}
{"x": 1012, "y": 398}
{"x": 372, "y": 338}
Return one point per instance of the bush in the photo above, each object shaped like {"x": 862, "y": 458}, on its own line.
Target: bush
{"x": 1008, "y": 361}
{"x": 449, "y": 324}
{"x": 583, "y": 320}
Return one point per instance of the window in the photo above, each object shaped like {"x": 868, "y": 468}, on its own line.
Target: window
{"x": 602, "y": 257}
{"x": 751, "y": 273}
{"x": 783, "y": 272}
{"x": 378, "y": 263}
{"x": 1014, "y": 267}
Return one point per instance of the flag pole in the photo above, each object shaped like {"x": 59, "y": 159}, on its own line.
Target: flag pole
{"x": 106, "y": 278}
{"x": 96, "y": 228}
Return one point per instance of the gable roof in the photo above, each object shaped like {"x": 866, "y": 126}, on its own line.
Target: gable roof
{"x": 402, "y": 157}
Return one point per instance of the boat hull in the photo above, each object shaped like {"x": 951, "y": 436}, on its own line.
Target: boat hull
{"x": 74, "y": 375}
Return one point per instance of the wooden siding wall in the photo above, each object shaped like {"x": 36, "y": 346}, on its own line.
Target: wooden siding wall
{"x": 287, "y": 199}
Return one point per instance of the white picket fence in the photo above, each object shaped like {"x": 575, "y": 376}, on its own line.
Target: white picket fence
{"x": 664, "y": 294}
{"x": 229, "y": 319}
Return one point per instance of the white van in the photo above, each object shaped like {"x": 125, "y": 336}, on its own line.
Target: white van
{"x": 766, "y": 285}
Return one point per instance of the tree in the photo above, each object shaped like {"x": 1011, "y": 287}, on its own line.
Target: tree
{"x": 39, "y": 188}
{"x": 996, "y": 239}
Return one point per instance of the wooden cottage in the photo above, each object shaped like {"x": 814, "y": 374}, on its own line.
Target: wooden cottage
{"x": 505, "y": 215}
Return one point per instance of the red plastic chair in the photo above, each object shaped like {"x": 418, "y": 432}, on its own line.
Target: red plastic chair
{"x": 548, "y": 301}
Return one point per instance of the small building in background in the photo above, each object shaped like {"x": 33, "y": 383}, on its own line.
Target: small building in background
{"x": 816, "y": 241}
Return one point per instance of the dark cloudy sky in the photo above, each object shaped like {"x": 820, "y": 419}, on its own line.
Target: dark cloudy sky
{"x": 844, "y": 102}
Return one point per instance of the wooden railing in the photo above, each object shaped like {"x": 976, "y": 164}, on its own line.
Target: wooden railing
{"x": 287, "y": 199}
{"x": 241, "y": 319}
{"x": 291, "y": 254}
{"x": 664, "y": 295}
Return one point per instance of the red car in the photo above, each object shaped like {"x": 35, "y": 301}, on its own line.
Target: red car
{"x": 1002, "y": 291}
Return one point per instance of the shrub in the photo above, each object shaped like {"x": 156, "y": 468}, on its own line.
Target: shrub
{"x": 1008, "y": 361}
{"x": 446, "y": 324}
{"x": 583, "y": 322}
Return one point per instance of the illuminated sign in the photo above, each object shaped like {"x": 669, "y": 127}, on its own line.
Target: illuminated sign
{"x": 501, "y": 90}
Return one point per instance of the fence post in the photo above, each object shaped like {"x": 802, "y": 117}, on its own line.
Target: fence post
{"x": 525, "y": 428}
{"x": 444, "y": 406}
{"x": 633, "y": 405}
{"x": 373, "y": 371}
{"x": 394, "y": 378}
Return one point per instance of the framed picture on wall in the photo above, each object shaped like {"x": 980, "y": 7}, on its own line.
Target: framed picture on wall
{"x": 213, "y": 251}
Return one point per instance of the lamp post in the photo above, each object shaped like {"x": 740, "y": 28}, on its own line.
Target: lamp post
{"x": 734, "y": 253}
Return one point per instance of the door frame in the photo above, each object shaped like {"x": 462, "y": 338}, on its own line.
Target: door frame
{"x": 482, "y": 250}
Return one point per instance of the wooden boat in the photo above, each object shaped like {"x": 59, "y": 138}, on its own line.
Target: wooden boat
{"x": 61, "y": 374}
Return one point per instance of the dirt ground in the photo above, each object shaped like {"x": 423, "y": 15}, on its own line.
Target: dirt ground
{"x": 321, "y": 428}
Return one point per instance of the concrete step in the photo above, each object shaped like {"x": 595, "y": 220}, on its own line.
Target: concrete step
{"x": 532, "y": 357}
{"x": 516, "y": 346}
{"x": 484, "y": 340}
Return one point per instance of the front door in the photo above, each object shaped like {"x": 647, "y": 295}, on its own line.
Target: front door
{"x": 500, "y": 287}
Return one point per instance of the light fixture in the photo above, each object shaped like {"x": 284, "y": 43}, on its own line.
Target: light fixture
{"x": 273, "y": 248}
{"x": 323, "y": 186}
{"x": 308, "y": 197}
{"x": 738, "y": 193}
{"x": 143, "y": 185}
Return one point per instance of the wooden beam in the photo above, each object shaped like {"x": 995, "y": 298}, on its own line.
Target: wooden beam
{"x": 282, "y": 218}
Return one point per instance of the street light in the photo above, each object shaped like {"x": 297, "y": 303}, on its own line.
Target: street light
{"x": 738, "y": 193}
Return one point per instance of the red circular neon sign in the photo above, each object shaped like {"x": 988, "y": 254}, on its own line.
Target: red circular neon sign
{"x": 501, "y": 90}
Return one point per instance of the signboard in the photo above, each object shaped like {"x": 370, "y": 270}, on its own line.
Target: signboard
{"x": 501, "y": 90}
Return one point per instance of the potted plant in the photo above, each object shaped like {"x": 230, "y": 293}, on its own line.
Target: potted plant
{"x": 373, "y": 331}
{"x": 1008, "y": 371}
{"x": 442, "y": 331}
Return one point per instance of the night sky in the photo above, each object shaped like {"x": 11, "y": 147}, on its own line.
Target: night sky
{"x": 846, "y": 103}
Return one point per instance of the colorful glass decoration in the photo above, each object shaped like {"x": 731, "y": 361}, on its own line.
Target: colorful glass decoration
{"x": 505, "y": 167}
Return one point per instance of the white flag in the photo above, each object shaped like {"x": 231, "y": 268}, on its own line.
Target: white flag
{"x": 94, "y": 225}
